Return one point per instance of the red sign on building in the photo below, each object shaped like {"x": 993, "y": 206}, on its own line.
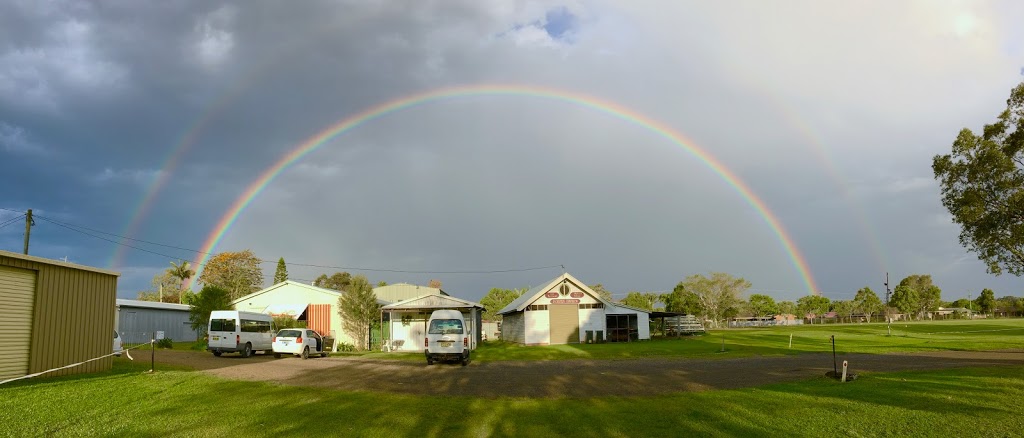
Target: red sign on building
{"x": 576, "y": 295}
{"x": 551, "y": 294}
{"x": 565, "y": 301}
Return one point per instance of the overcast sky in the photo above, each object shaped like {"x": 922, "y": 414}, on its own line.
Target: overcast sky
{"x": 829, "y": 111}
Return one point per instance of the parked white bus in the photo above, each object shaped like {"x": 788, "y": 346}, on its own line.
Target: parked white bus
{"x": 231, "y": 331}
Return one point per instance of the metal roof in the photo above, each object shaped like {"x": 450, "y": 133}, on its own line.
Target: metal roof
{"x": 432, "y": 301}
{"x": 533, "y": 294}
{"x": 31, "y": 258}
{"x": 151, "y": 305}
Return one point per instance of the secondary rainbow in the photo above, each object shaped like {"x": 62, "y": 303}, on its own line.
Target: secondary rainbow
{"x": 599, "y": 105}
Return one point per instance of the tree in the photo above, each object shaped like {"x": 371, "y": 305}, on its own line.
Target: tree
{"x": 602, "y": 292}
{"x": 763, "y": 305}
{"x": 209, "y": 299}
{"x": 645, "y": 300}
{"x": 337, "y": 281}
{"x": 181, "y": 271}
{"x": 382, "y": 283}
{"x": 844, "y": 308}
{"x": 925, "y": 296}
{"x": 496, "y": 299}
{"x": 904, "y": 298}
{"x": 359, "y": 311}
{"x": 237, "y": 272}
{"x": 986, "y": 301}
{"x": 787, "y": 307}
{"x": 867, "y": 302}
{"x": 435, "y": 283}
{"x": 281, "y": 273}
{"x": 1008, "y": 304}
{"x": 812, "y": 304}
{"x": 164, "y": 288}
{"x": 717, "y": 294}
{"x": 962, "y": 302}
{"x": 982, "y": 183}
{"x": 681, "y": 300}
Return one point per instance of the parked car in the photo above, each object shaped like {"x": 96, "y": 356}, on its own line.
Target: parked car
{"x": 299, "y": 342}
{"x": 117, "y": 344}
{"x": 447, "y": 337}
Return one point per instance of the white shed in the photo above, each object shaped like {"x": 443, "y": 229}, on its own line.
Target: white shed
{"x": 566, "y": 311}
{"x": 315, "y": 305}
{"x": 405, "y": 322}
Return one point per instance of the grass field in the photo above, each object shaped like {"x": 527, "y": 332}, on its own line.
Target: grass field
{"x": 128, "y": 401}
{"x": 850, "y": 338}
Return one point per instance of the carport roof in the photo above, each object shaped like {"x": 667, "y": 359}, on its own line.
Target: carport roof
{"x": 433, "y": 301}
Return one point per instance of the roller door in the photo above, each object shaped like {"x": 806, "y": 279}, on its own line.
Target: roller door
{"x": 565, "y": 323}
{"x": 17, "y": 294}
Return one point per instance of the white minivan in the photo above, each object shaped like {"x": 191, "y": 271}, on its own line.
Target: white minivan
{"x": 231, "y": 331}
{"x": 447, "y": 337}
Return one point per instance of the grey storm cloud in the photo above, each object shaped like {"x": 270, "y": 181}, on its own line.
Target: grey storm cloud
{"x": 829, "y": 115}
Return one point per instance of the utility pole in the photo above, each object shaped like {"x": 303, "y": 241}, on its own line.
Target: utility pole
{"x": 29, "y": 222}
{"x": 888, "y": 320}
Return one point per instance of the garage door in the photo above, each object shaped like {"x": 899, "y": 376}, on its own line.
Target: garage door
{"x": 17, "y": 290}
{"x": 565, "y": 323}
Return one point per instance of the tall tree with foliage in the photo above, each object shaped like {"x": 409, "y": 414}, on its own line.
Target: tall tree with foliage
{"x": 681, "y": 300}
{"x": 359, "y": 311}
{"x": 182, "y": 271}
{"x": 813, "y": 304}
{"x": 337, "y": 281}
{"x": 496, "y": 299}
{"x": 281, "y": 273}
{"x": 641, "y": 300}
{"x": 867, "y": 302}
{"x": 982, "y": 183}
{"x": 986, "y": 301}
{"x": 237, "y": 272}
{"x": 787, "y": 307}
{"x": 718, "y": 294}
{"x": 602, "y": 292}
{"x": 762, "y": 305}
{"x": 844, "y": 309}
{"x": 926, "y": 295}
{"x": 164, "y": 287}
{"x": 209, "y": 299}
{"x": 904, "y": 298}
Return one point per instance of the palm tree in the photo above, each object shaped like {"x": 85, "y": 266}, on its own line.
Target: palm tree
{"x": 182, "y": 272}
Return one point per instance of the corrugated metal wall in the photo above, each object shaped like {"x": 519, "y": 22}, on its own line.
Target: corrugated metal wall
{"x": 73, "y": 319}
{"x": 513, "y": 327}
{"x": 137, "y": 324}
{"x": 318, "y": 317}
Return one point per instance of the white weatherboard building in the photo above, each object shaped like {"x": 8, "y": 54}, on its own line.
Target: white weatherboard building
{"x": 404, "y": 324}
{"x": 566, "y": 311}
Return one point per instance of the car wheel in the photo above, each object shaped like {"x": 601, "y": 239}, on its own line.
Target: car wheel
{"x": 465, "y": 361}
{"x": 323, "y": 354}
{"x": 305, "y": 353}
{"x": 277, "y": 355}
{"x": 216, "y": 353}
{"x": 247, "y": 351}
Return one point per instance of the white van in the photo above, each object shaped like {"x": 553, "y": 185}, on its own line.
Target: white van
{"x": 231, "y": 331}
{"x": 447, "y": 337}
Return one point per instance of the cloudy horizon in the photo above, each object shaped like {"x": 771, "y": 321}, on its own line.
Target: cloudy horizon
{"x": 149, "y": 120}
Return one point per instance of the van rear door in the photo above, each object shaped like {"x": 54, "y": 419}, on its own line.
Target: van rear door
{"x": 223, "y": 332}
{"x": 445, "y": 336}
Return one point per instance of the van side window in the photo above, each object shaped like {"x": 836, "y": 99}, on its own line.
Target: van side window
{"x": 222, "y": 325}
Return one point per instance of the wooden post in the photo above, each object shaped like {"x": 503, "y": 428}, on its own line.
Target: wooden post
{"x": 790, "y": 340}
{"x": 844, "y": 371}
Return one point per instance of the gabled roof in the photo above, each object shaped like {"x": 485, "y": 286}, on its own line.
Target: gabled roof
{"x": 31, "y": 258}
{"x": 151, "y": 304}
{"x": 287, "y": 283}
{"x": 623, "y": 306}
{"x": 531, "y": 295}
{"x": 433, "y": 301}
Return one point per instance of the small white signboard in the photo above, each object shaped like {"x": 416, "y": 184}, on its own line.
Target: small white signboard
{"x": 159, "y": 335}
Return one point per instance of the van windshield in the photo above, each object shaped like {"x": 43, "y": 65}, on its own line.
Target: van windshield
{"x": 445, "y": 327}
{"x": 222, "y": 325}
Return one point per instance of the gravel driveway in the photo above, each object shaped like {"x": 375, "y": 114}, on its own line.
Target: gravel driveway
{"x": 564, "y": 378}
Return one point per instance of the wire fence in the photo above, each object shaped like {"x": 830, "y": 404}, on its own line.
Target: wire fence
{"x": 125, "y": 351}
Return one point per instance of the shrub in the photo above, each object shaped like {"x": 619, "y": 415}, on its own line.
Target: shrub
{"x": 345, "y": 346}
{"x": 164, "y": 343}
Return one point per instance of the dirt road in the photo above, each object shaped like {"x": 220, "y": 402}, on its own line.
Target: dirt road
{"x": 564, "y": 378}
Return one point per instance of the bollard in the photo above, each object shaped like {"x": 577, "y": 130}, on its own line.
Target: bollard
{"x": 790, "y": 340}
{"x": 844, "y": 371}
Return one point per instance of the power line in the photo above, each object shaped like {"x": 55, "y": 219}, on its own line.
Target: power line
{"x": 12, "y": 220}
{"x": 308, "y": 265}
{"x": 125, "y": 237}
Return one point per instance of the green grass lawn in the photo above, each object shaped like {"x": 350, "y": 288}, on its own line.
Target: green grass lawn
{"x": 129, "y": 402}
{"x": 850, "y": 338}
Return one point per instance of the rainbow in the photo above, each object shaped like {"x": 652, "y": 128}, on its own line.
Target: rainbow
{"x": 610, "y": 108}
